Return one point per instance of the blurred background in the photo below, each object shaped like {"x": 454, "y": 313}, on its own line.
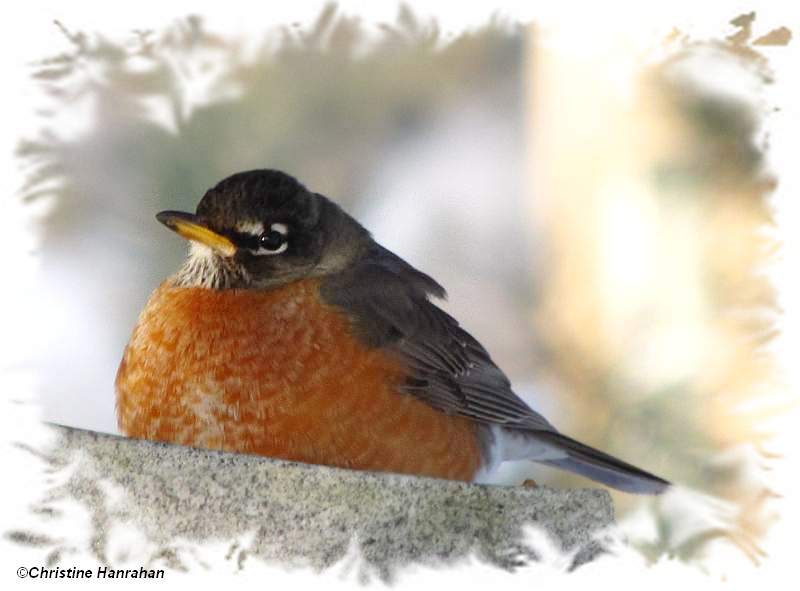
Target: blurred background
{"x": 597, "y": 217}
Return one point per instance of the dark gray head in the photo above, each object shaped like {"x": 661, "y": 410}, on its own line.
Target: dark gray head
{"x": 263, "y": 228}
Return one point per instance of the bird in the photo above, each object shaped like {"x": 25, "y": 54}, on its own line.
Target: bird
{"x": 289, "y": 332}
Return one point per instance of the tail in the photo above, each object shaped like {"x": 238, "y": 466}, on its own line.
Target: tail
{"x": 602, "y": 467}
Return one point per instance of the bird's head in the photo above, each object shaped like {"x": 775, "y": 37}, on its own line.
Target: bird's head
{"x": 262, "y": 228}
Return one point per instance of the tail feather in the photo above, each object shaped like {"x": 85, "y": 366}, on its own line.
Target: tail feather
{"x": 602, "y": 467}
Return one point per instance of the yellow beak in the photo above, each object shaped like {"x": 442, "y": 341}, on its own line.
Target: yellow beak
{"x": 188, "y": 226}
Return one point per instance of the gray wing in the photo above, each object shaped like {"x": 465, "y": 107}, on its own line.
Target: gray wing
{"x": 388, "y": 301}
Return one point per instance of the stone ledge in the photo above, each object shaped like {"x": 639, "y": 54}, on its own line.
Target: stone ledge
{"x": 308, "y": 515}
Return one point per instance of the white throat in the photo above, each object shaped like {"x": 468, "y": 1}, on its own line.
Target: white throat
{"x": 204, "y": 267}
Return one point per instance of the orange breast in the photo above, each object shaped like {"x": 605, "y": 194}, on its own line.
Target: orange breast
{"x": 278, "y": 373}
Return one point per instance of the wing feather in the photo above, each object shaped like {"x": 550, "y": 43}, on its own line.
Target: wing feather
{"x": 388, "y": 301}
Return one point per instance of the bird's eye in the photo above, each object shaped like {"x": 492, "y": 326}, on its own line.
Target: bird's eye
{"x": 274, "y": 240}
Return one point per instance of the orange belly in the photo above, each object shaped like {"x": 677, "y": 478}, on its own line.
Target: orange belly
{"x": 278, "y": 373}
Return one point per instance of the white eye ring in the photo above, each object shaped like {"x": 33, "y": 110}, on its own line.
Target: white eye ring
{"x": 265, "y": 248}
{"x": 279, "y": 228}
{"x": 281, "y": 248}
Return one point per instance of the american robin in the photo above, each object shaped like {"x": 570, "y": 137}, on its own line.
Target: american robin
{"x": 289, "y": 332}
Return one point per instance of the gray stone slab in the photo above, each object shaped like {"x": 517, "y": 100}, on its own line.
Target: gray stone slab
{"x": 308, "y": 515}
